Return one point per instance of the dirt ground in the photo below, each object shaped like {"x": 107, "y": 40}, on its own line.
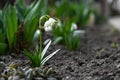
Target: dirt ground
{"x": 98, "y": 57}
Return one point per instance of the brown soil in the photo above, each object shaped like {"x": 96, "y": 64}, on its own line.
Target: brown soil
{"x": 96, "y": 59}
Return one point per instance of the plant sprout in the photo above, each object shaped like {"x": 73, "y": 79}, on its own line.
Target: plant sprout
{"x": 66, "y": 34}
{"x": 37, "y": 58}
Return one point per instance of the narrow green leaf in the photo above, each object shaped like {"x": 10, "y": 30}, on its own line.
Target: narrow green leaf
{"x": 14, "y": 19}
{"x": 2, "y": 37}
{"x": 9, "y": 30}
{"x": 45, "y": 49}
{"x": 48, "y": 57}
{"x": 57, "y": 40}
{"x": 28, "y": 54}
{"x": 30, "y": 28}
{"x": 10, "y": 25}
{"x": 3, "y": 47}
{"x": 35, "y": 10}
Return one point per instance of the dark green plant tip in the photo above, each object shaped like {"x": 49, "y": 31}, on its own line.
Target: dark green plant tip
{"x": 10, "y": 22}
{"x": 37, "y": 58}
{"x": 114, "y": 45}
{"x": 43, "y": 19}
{"x": 3, "y": 47}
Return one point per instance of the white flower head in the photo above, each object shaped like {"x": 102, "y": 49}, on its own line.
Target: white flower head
{"x": 73, "y": 26}
{"x": 49, "y": 24}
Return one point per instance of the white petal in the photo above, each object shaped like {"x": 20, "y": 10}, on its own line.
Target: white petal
{"x": 73, "y": 26}
{"x": 37, "y": 32}
{"x": 49, "y": 28}
{"x": 52, "y": 20}
{"x": 79, "y": 33}
{"x": 47, "y": 23}
{"x": 46, "y": 41}
{"x": 36, "y": 35}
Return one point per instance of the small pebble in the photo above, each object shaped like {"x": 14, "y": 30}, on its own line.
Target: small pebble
{"x": 2, "y": 66}
{"x": 38, "y": 79}
{"x": 51, "y": 78}
{"x": 118, "y": 66}
{"x": 13, "y": 78}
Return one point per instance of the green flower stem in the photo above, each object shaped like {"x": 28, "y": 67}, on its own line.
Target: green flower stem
{"x": 40, "y": 41}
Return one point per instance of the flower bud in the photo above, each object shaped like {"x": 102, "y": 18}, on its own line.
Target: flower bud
{"x": 73, "y": 26}
{"x": 42, "y": 21}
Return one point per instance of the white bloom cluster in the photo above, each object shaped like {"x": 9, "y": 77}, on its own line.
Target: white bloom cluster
{"x": 49, "y": 24}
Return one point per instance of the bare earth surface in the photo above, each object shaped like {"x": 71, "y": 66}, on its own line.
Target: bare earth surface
{"x": 98, "y": 57}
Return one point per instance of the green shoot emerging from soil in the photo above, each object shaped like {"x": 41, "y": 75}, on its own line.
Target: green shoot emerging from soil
{"x": 37, "y": 58}
{"x": 65, "y": 34}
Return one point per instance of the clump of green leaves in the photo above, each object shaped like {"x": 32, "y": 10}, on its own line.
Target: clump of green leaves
{"x": 64, "y": 34}
{"x": 3, "y": 45}
{"x": 8, "y": 28}
{"x": 29, "y": 14}
{"x": 18, "y": 24}
{"x": 77, "y": 12}
{"x": 11, "y": 25}
{"x": 72, "y": 42}
{"x": 37, "y": 58}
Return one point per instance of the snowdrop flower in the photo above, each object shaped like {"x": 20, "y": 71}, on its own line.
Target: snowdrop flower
{"x": 46, "y": 23}
{"x": 49, "y": 24}
{"x": 73, "y": 26}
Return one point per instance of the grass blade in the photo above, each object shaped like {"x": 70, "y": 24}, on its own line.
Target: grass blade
{"x": 48, "y": 57}
{"x": 45, "y": 49}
